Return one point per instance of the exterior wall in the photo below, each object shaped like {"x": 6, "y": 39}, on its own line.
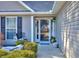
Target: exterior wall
{"x": 26, "y": 26}
{"x": 11, "y": 6}
{"x": 67, "y": 29}
{"x": 59, "y": 31}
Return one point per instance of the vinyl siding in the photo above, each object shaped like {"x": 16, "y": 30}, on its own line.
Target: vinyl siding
{"x": 26, "y": 27}
{"x": 67, "y": 26}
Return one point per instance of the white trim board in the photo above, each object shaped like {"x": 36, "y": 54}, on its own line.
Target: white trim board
{"x": 26, "y": 6}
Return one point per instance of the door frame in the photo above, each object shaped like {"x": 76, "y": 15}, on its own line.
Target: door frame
{"x": 6, "y": 24}
{"x": 39, "y": 39}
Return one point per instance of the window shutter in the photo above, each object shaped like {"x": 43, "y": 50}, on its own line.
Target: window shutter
{"x": 19, "y": 27}
{"x": 3, "y": 25}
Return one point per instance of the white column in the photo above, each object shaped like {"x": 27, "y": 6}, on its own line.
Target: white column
{"x": 32, "y": 29}
{"x": 39, "y": 30}
{"x": 49, "y": 30}
{"x": 53, "y": 29}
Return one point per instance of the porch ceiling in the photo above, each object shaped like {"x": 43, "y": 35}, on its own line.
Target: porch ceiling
{"x": 40, "y": 6}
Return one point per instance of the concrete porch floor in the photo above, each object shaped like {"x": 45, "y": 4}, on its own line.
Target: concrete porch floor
{"x": 48, "y": 51}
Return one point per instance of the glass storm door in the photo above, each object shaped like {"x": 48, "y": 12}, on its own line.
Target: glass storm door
{"x": 11, "y": 27}
{"x": 43, "y": 31}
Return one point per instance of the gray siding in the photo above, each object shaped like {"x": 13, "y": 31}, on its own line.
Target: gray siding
{"x": 26, "y": 26}
{"x": 11, "y": 6}
{"x": 67, "y": 26}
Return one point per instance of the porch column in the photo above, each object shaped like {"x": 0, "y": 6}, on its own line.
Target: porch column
{"x": 50, "y": 30}
{"x": 53, "y": 29}
{"x": 32, "y": 29}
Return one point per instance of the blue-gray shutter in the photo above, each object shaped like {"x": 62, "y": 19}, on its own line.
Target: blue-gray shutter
{"x": 19, "y": 27}
{"x": 3, "y": 25}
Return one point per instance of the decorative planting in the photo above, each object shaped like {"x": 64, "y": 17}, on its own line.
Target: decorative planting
{"x": 30, "y": 46}
{"x": 53, "y": 39}
{"x": 3, "y": 52}
{"x": 29, "y": 50}
{"x": 20, "y": 54}
{"x": 21, "y": 42}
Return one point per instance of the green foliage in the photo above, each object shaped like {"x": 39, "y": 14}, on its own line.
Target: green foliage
{"x": 53, "y": 39}
{"x": 54, "y": 19}
{"x": 29, "y": 51}
{"x": 21, "y": 54}
{"x": 30, "y": 46}
{"x": 3, "y": 52}
{"x": 21, "y": 42}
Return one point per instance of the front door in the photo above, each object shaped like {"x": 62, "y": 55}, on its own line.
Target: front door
{"x": 11, "y": 27}
{"x": 43, "y": 31}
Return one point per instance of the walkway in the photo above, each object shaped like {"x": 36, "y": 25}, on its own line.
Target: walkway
{"x": 47, "y": 51}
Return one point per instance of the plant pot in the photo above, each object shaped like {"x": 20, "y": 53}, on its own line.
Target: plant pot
{"x": 55, "y": 44}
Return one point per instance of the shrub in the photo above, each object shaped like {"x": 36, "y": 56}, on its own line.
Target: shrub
{"x": 3, "y": 52}
{"x": 21, "y": 54}
{"x": 30, "y": 46}
{"x": 21, "y": 42}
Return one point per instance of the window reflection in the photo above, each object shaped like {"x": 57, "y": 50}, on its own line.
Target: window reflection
{"x": 10, "y": 28}
{"x": 44, "y": 30}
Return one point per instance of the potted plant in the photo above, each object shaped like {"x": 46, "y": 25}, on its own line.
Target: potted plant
{"x": 53, "y": 41}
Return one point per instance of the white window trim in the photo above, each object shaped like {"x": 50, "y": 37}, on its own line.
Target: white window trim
{"x": 6, "y": 23}
{"x": 26, "y": 6}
